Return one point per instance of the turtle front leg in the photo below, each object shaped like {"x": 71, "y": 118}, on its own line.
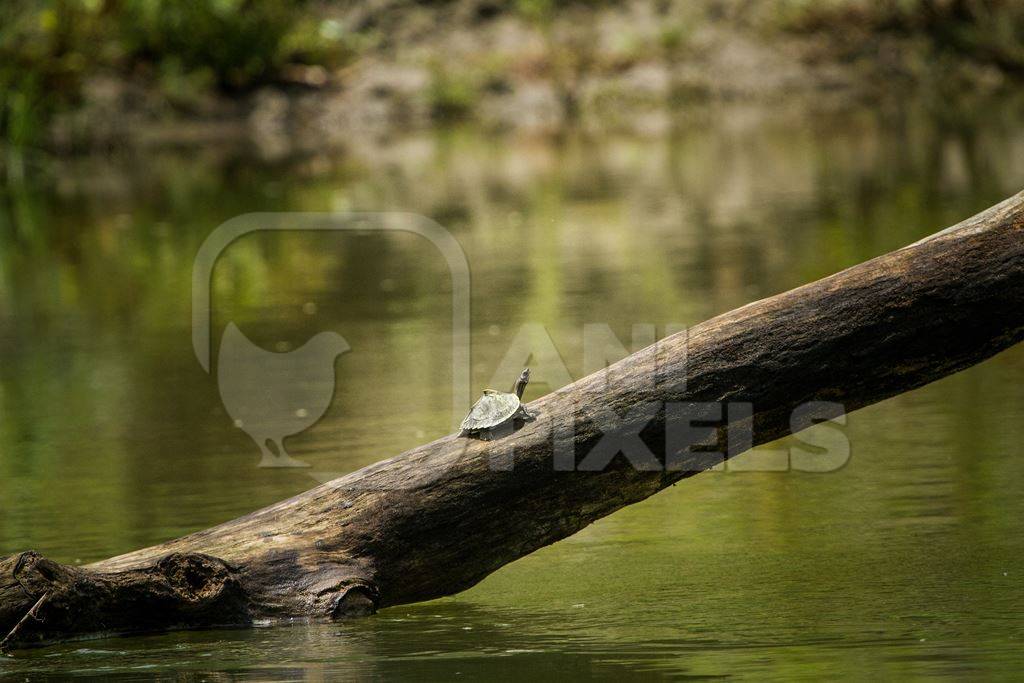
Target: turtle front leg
{"x": 525, "y": 415}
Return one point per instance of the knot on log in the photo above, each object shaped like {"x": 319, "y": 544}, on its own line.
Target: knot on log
{"x": 337, "y": 591}
{"x": 355, "y": 600}
{"x": 195, "y": 578}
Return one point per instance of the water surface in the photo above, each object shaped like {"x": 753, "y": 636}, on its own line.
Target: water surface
{"x": 903, "y": 563}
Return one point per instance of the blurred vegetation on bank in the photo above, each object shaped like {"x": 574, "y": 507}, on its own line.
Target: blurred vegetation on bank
{"x": 185, "y": 47}
{"x": 189, "y": 51}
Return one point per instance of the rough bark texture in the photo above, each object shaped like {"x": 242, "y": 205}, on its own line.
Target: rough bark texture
{"x": 439, "y": 518}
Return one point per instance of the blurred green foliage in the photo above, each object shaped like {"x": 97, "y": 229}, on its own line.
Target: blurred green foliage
{"x": 989, "y": 31}
{"x": 236, "y": 42}
{"x": 48, "y": 47}
{"x": 452, "y": 96}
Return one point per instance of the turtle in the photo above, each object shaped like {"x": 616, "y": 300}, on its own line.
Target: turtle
{"x": 497, "y": 411}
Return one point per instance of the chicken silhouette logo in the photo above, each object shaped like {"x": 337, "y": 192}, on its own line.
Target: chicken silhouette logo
{"x": 270, "y": 395}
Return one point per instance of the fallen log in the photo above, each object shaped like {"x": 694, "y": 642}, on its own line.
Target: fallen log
{"x": 439, "y": 518}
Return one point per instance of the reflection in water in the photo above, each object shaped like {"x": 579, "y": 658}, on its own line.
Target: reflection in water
{"x": 112, "y": 437}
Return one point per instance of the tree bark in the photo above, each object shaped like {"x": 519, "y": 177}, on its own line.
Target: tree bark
{"x": 439, "y": 518}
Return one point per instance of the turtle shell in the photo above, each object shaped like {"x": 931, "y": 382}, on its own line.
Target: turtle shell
{"x": 492, "y": 409}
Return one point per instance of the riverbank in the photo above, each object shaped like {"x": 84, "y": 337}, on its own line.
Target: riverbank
{"x": 382, "y": 68}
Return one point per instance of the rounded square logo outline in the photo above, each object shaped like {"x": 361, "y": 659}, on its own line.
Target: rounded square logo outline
{"x": 235, "y": 228}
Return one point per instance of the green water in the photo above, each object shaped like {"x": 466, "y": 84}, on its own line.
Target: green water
{"x": 905, "y": 563}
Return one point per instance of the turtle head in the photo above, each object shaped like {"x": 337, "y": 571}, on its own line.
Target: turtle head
{"x": 520, "y": 386}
